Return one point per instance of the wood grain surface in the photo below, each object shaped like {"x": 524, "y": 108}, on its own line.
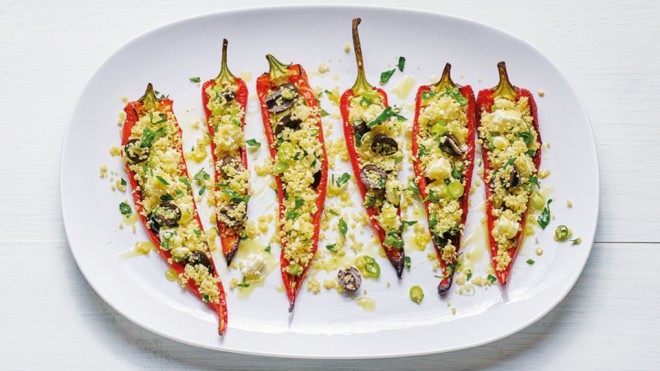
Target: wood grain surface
{"x": 52, "y": 319}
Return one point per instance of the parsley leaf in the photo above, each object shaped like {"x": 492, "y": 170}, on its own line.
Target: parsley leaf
{"x": 544, "y": 218}
{"x": 253, "y": 143}
{"x": 491, "y": 279}
{"x": 324, "y": 113}
{"x": 387, "y": 114}
{"x": 201, "y": 190}
{"x": 401, "y": 64}
{"x": 409, "y": 222}
{"x": 408, "y": 263}
{"x": 456, "y": 95}
{"x": 125, "y": 209}
{"x": 343, "y": 227}
{"x": 267, "y": 249}
{"x": 343, "y": 179}
{"x": 530, "y": 261}
{"x": 160, "y": 179}
{"x": 201, "y": 176}
{"x": 195, "y": 79}
{"x": 331, "y": 247}
{"x": 385, "y": 76}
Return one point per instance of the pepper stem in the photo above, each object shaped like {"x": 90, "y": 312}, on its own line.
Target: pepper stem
{"x": 278, "y": 70}
{"x": 361, "y": 84}
{"x": 445, "y": 82}
{"x": 225, "y": 75}
{"x": 149, "y": 99}
{"x": 504, "y": 88}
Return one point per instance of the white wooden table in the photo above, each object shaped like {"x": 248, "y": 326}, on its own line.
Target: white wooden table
{"x": 51, "y": 318}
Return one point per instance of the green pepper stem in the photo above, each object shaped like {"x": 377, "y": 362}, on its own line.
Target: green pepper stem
{"x": 225, "y": 75}
{"x": 445, "y": 82}
{"x": 504, "y": 88}
{"x": 361, "y": 84}
{"x": 278, "y": 71}
{"x": 149, "y": 99}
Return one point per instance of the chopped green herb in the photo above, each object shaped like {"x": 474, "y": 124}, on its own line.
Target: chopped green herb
{"x": 331, "y": 247}
{"x": 393, "y": 241}
{"x": 291, "y": 215}
{"x": 387, "y": 114}
{"x": 544, "y": 218}
{"x": 456, "y": 95}
{"x": 333, "y": 212}
{"x": 236, "y": 197}
{"x": 195, "y": 79}
{"x": 253, "y": 143}
{"x": 343, "y": 179}
{"x": 122, "y": 181}
{"x": 201, "y": 176}
{"x": 267, "y": 249}
{"x": 427, "y": 95}
{"x": 197, "y": 232}
{"x": 577, "y": 241}
{"x": 527, "y": 136}
{"x": 160, "y": 179}
{"x": 469, "y": 275}
{"x": 401, "y": 64}
{"x": 491, "y": 279}
{"x": 409, "y": 222}
{"x": 185, "y": 181}
{"x": 530, "y": 261}
{"x": 244, "y": 283}
{"x": 343, "y": 227}
{"x": 324, "y": 113}
{"x": 531, "y": 152}
{"x": 422, "y": 151}
{"x": 237, "y": 123}
{"x": 178, "y": 193}
{"x": 534, "y": 180}
{"x": 149, "y": 136}
{"x": 298, "y": 202}
{"x": 202, "y": 190}
{"x": 385, "y": 76}
{"x": 125, "y": 209}
{"x": 166, "y": 197}
{"x": 408, "y": 263}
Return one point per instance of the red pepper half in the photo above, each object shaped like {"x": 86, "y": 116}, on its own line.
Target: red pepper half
{"x": 229, "y": 237}
{"x": 134, "y": 111}
{"x": 445, "y": 86}
{"x": 485, "y": 102}
{"x": 280, "y": 74}
{"x": 396, "y": 255}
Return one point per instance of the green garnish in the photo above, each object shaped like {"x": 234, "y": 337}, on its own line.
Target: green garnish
{"x": 416, "y": 294}
{"x": 527, "y": 136}
{"x": 160, "y": 179}
{"x": 324, "y": 113}
{"x": 562, "y": 233}
{"x": 408, "y": 262}
{"x": 469, "y": 275}
{"x": 544, "y": 218}
{"x": 244, "y": 283}
{"x": 149, "y": 136}
{"x": 456, "y": 95}
{"x": 253, "y": 143}
{"x": 576, "y": 241}
{"x": 491, "y": 279}
{"x": 298, "y": 202}
{"x": 291, "y": 215}
{"x": 401, "y": 64}
{"x": 280, "y": 167}
{"x": 185, "y": 181}
{"x": 331, "y": 247}
{"x": 427, "y": 95}
{"x": 409, "y": 222}
{"x": 343, "y": 179}
{"x": 201, "y": 176}
{"x": 267, "y": 249}
{"x": 122, "y": 181}
{"x": 236, "y": 197}
{"x": 125, "y": 209}
{"x": 237, "y": 123}
{"x": 530, "y": 261}
{"x": 294, "y": 269}
{"x": 368, "y": 266}
{"x": 202, "y": 190}
{"x": 387, "y": 114}
{"x": 197, "y": 232}
{"x": 393, "y": 241}
{"x": 343, "y": 227}
{"x": 385, "y": 76}
{"x": 195, "y": 79}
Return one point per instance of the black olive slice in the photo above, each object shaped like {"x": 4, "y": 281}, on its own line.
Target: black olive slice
{"x": 514, "y": 177}
{"x": 452, "y": 145}
{"x": 361, "y": 128}
{"x": 230, "y": 217}
{"x": 384, "y": 145}
{"x": 231, "y": 162}
{"x": 135, "y": 152}
{"x": 317, "y": 179}
{"x": 373, "y": 177}
{"x": 278, "y": 103}
{"x": 228, "y": 95}
{"x": 349, "y": 279}
{"x": 198, "y": 257}
{"x": 166, "y": 215}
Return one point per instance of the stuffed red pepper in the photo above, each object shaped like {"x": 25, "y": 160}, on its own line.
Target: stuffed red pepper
{"x": 292, "y": 122}
{"x": 153, "y": 155}
{"x": 508, "y": 128}
{"x": 443, "y": 158}
{"x": 225, "y": 101}
{"x": 371, "y": 127}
